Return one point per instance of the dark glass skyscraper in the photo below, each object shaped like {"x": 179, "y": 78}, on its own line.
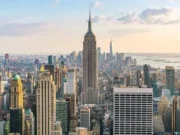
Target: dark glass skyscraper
{"x": 170, "y": 75}
{"x": 146, "y": 75}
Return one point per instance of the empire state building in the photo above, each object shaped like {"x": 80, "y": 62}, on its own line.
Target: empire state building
{"x": 89, "y": 94}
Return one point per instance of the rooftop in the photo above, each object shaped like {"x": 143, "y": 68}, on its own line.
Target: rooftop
{"x": 133, "y": 90}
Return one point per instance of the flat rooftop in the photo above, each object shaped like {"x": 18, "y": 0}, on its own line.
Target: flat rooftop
{"x": 133, "y": 90}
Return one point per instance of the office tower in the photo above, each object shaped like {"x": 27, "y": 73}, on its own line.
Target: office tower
{"x": 133, "y": 111}
{"x": 89, "y": 95}
{"x": 111, "y": 49}
{"x": 166, "y": 93}
{"x": 45, "y": 104}
{"x": 162, "y": 106}
{"x": 16, "y": 92}
{"x": 72, "y": 83}
{"x": 17, "y": 120}
{"x": 139, "y": 78}
{"x": 62, "y": 114}
{"x": 35, "y": 118}
{"x": 27, "y": 128}
{"x": 6, "y": 59}
{"x": 174, "y": 111}
{"x": 16, "y": 105}
{"x": 31, "y": 99}
{"x": 81, "y": 131}
{"x": 50, "y": 60}
{"x": 170, "y": 75}
{"x": 63, "y": 79}
{"x": 71, "y": 98}
{"x": 30, "y": 119}
{"x": 57, "y": 79}
{"x": 167, "y": 120}
{"x": 29, "y": 84}
{"x": 85, "y": 118}
{"x": 146, "y": 75}
{"x": 99, "y": 54}
{"x": 57, "y": 128}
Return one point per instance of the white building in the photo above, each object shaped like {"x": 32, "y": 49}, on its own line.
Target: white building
{"x": 133, "y": 111}
{"x": 46, "y": 104}
{"x": 85, "y": 118}
{"x": 166, "y": 93}
{"x": 71, "y": 79}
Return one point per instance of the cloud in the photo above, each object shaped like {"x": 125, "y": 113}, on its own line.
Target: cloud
{"x": 129, "y": 18}
{"x": 96, "y": 4}
{"x": 22, "y": 29}
{"x": 96, "y": 19}
{"x": 152, "y": 16}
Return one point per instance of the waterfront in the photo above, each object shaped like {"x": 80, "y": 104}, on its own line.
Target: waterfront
{"x": 156, "y": 60}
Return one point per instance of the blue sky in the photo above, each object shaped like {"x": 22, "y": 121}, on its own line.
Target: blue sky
{"x": 40, "y": 24}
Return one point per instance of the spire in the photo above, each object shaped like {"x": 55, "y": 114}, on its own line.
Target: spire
{"x": 89, "y": 22}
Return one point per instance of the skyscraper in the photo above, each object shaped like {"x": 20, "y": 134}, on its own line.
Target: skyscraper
{"x": 174, "y": 114}
{"x": 133, "y": 111}
{"x": 111, "y": 49}
{"x": 146, "y": 75}
{"x": 16, "y": 106}
{"x": 85, "y": 118}
{"x": 89, "y": 93}
{"x": 62, "y": 114}
{"x": 45, "y": 104}
{"x": 16, "y": 92}
{"x": 170, "y": 75}
{"x": 71, "y": 79}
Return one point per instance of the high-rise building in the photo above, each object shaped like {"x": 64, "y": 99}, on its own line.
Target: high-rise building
{"x": 89, "y": 94}
{"x": 85, "y": 118}
{"x": 111, "y": 49}
{"x": 162, "y": 105}
{"x": 133, "y": 111}
{"x": 50, "y": 60}
{"x": 139, "y": 78}
{"x": 27, "y": 128}
{"x": 30, "y": 119}
{"x": 99, "y": 54}
{"x": 62, "y": 114}
{"x": 16, "y": 105}
{"x": 170, "y": 75}
{"x": 45, "y": 104}
{"x": 71, "y": 98}
{"x": 6, "y": 59}
{"x": 174, "y": 116}
{"x": 167, "y": 120}
{"x": 17, "y": 124}
{"x": 146, "y": 75}
{"x": 29, "y": 83}
{"x": 16, "y": 92}
{"x": 72, "y": 83}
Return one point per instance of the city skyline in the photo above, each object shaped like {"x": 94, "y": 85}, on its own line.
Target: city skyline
{"x": 45, "y": 26}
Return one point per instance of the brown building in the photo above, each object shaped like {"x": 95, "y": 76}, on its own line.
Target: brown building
{"x": 89, "y": 94}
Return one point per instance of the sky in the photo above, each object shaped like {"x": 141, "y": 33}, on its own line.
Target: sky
{"x": 59, "y": 26}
